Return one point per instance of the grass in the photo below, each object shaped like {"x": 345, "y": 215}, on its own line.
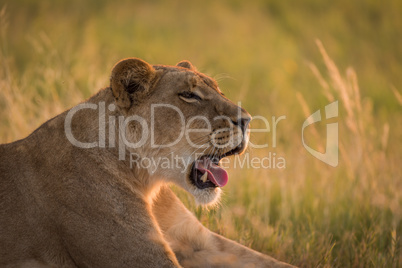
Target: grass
{"x": 55, "y": 54}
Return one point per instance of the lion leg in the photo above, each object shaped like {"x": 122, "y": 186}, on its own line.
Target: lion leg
{"x": 131, "y": 239}
{"x": 195, "y": 245}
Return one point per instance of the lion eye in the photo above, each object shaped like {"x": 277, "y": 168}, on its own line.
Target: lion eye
{"x": 190, "y": 97}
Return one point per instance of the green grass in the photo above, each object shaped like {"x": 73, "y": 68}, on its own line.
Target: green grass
{"x": 54, "y": 54}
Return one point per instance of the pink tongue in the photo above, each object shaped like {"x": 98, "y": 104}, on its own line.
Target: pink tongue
{"x": 216, "y": 174}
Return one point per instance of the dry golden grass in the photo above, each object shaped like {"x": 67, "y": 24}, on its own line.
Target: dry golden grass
{"x": 309, "y": 214}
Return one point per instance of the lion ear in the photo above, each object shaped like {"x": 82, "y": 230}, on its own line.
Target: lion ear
{"x": 130, "y": 79}
{"x": 186, "y": 64}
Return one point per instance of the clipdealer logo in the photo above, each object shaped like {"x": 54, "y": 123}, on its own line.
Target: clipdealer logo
{"x": 330, "y": 156}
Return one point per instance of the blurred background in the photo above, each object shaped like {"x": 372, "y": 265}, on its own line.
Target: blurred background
{"x": 278, "y": 58}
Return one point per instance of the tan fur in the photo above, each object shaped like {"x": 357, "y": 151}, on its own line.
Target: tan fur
{"x": 66, "y": 206}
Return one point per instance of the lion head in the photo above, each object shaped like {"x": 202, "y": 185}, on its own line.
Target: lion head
{"x": 182, "y": 124}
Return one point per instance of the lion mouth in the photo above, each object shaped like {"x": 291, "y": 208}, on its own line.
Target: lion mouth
{"x": 206, "y": 171}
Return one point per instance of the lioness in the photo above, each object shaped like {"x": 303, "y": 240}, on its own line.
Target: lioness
{"x": 76, "y": 192}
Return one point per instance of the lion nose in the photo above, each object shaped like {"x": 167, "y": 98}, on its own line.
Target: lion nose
{"x": 242, "y": 122}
